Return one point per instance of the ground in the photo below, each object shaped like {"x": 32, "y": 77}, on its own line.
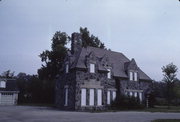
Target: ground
{"x": 47, "y": 114}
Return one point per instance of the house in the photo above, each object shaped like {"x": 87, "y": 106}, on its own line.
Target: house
{"x": 8, "y": 92}
{"x": 92, "y": 78}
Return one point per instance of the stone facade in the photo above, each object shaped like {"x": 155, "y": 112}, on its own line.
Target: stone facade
{"x": 114, "y": 74}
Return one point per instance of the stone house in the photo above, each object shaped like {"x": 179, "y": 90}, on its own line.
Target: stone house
{"x": 8, "y": 92}
{"x": 92, "y": 78}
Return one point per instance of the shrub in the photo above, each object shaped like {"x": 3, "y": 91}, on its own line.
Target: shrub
{"x": 127, "y": 102}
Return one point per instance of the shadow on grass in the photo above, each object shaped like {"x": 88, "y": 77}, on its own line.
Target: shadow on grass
{"x": 166, "y": 120}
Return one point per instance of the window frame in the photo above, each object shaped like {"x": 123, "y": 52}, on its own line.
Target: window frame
{"x": 109, "y": 73}
{"x": 2, "y": 84}
{"x": 99, "y": 97}
{"x": 67, "y": 68}
{"x": 83, "y": 97}
{"x": 91, "y": 97}
{"x": 92, "y": 68}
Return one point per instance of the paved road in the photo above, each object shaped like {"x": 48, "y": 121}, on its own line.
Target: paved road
{"x": 44, "y": 114}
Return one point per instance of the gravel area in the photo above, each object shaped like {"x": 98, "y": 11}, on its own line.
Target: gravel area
{"x": 46, "y": 114}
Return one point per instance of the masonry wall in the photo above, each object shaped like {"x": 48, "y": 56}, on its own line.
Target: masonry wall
{"x": 136, "y": 86}
{"x": 92, "y": 81}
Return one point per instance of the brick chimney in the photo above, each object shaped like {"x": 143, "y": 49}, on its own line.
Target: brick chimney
{"x": 76, "y": 42}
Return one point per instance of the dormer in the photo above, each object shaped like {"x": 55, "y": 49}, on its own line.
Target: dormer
{"x": 131, "y": 69}
{"x": 2, "y": 84}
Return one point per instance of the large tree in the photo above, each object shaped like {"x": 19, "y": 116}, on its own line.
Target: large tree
{"x": 90, "y": 40}
{"x": 169, "y": 73}
{"x": 53, "y": 59}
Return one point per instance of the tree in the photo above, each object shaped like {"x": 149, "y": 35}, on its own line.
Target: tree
{"x": 176, "y": 90}
{"x": 90, "y": 40}
{"x": 54, "y": 59}
{"x": 8, "y": 74}
{"x": 169, "y": 73}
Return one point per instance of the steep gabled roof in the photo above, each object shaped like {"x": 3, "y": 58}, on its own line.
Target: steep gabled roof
{"x": 11, "y": 85}
{"x": 118, "y": 61}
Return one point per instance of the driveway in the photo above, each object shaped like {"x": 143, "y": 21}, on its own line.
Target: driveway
{"x": 45, "y": 114}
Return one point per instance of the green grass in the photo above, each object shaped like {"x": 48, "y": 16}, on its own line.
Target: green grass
{"x": 36, "y": 104}
{"x": 166, "y": 120}
{"x": 164, "y": 109}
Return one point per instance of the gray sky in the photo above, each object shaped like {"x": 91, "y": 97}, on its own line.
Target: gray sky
{"x": 147, "y": 30}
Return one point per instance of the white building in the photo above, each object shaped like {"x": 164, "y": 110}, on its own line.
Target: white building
{"x": 8, "y": 92}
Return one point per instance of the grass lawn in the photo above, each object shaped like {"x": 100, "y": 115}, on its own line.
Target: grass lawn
{"x": 163, "y": 109}
{"x": 166, "y": 120}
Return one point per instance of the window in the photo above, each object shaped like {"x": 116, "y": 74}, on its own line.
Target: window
{"x": 67, "y": 68}
{"x": 92, "y": 68}
{"x": 66, "y": 97}
{"x": 108, "y": 97}
{"x": 131, "y": 75}
{"x": 99, "y": 97}
{"x": 135, "y": 94}
{"x": 91, "y": 97}
{"x": 109, "y": 73}
{"x": 135, "y": 76}
{"x": 2, "y": 84}
{"x": 140, "y": 96}
{"x": 114, "y": 95}
{"x": 130, "y": 93}
{"x": 83, "y": 97}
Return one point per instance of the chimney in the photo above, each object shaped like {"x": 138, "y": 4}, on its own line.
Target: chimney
{"x": 76, "y": 42}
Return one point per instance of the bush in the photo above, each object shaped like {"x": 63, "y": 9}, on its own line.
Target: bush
{"x": 127, "y": 102}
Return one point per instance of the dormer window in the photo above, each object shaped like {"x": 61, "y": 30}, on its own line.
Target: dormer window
{"x": 67, "y": 68}
{"x": 92, "y": 68}
{"x": 2, "y": 84}
{"x": 109, "y": 74}
{"x": 133, "y": 76}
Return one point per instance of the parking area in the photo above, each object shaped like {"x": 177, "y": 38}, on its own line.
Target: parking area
{"x": 46, "y": 114}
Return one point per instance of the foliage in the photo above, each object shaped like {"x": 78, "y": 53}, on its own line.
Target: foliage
{"x": 169, "y": 73}
{"x": 127, "y": 102}
{"x": 166, "y": 120}
{"x": 90, "y": 40}
{"x": 176, "y": 91}
{"x": 7, "y": 74}
{"x": 54, "y": 59}
{"x": 34, "y": 90}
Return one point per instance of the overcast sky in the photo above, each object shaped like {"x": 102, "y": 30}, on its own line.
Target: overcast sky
{"x": 147, "y": 30}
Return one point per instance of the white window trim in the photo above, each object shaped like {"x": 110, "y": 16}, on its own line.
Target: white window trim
{"x": 109, "y": 73}
{"x": 131, "y": 76}
{"x": 108, "y": 97}
{"x": 135, "y": 76}
{"x": 91, "y": 97}
{"x": 140, "y": 96}
{"x": 113, "y": 95}
{"x": 67, "y": 68}
{"x": 92, "y": 68}
{"x": 83, "y": 97}
{"x": 99, "y": 97}
{"x": 2, "y": 84}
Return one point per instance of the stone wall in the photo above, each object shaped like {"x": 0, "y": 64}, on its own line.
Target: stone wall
{"x": 96, "y": 81}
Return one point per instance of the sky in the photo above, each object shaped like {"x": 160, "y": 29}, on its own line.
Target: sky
{"x": 147, "y": 30}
